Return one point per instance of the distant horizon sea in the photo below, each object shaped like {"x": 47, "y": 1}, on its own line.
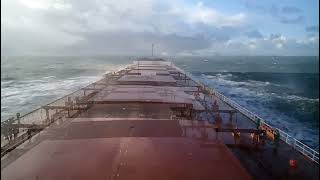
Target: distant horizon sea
{"x": 284, "y": 90}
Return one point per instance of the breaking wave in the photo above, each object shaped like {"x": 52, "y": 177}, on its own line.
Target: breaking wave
{"x": 29, "y": 94}
{"x": 281, "y": 103}
{"x": 29, "y": 82}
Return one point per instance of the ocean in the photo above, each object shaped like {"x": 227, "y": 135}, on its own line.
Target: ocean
{"x": 282, "y": 90}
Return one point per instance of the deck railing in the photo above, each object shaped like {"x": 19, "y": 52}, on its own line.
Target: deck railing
{"x": 42, "y": 117}
{"x": 296, "y": 144}
{"x": 12, "y": 136}
{"x": 36, "y": 116}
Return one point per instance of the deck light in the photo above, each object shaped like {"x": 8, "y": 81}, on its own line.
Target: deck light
{"x": 293, "y": 163}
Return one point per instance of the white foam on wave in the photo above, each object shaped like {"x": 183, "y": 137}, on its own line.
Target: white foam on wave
{"x": 255, "y": 99}
{"x": 247, "y": 87}
{"x": 225, "y": 80}
{"x": 23, "y": 96}
{"x": 210, "y": 77}
{"x": 49, "y": 77}
{"x": 300, "y": 98}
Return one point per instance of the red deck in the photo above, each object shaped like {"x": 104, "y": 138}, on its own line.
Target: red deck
{"x": 127, "y": 158}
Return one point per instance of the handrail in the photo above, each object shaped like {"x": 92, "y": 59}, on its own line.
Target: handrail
{"x": 39, "y": 108}
{"x": 296, "y": 144}
{"x": 56, "y": 100}
{"x": 40, "y": 115}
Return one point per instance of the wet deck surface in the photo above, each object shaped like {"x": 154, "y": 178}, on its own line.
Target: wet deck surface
{"x": 135, "y": 129}
{"x": 127, "y": 158}
{"x": 106, "y": 148}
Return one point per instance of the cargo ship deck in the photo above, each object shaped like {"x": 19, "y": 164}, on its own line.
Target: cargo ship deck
{"x": 150, "y": 120}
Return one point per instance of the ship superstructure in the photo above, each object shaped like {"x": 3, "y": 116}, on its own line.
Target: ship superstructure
{"x": 150, "y": 120}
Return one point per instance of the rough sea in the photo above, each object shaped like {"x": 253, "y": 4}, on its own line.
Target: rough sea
{"x": 282, "y": 90}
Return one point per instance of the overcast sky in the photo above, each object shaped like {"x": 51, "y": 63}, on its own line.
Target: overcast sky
{"x": 223, "y": 27}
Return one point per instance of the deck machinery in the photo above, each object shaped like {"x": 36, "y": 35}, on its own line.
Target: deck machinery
{"x": 149, "y": 120}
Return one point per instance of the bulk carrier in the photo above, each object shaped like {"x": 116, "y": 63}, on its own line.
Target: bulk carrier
{"x": 149, "y": 120}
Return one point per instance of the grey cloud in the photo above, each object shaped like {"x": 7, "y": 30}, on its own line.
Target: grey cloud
{"x": 312, "y": 29}
{"x": 268, "y": 47}
{"x": 174, "y": 43}
{"x": 221, "y": 34}
{"x": 284, "y": 14}
{"x": 254, "y": 34}
{"x": 274, "y": 36}
{"x": 290, "y": 10}
{"x": 274, "y": 10}
{"x": 137, "y": 43}
{"x": 287, "y": 15}
{"x": 292, "y": 20}
{"x": 274, "y": 44}
{"x": 106, "y": 27}
{"x": 254, "y": 6}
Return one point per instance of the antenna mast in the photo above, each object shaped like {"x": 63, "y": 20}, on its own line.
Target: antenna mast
{"x": 152, "y": 49}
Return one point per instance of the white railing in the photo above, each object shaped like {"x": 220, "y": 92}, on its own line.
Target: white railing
{"x": 40, "y": 116}
{"x": 37, "y": 115}
{"x": 296, "y": 144}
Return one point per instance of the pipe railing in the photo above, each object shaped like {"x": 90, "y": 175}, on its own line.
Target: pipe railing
{"x": 60, "y": 101}
{"x": 44, "y": 117}
{"x": 38, "y": 117}
{"x": 296, "y": 144}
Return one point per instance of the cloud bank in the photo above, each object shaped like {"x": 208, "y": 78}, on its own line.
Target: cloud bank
{"x": 127, "y": 27}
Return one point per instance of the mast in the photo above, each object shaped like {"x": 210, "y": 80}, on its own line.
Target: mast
{"x": 152, "y": 49}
